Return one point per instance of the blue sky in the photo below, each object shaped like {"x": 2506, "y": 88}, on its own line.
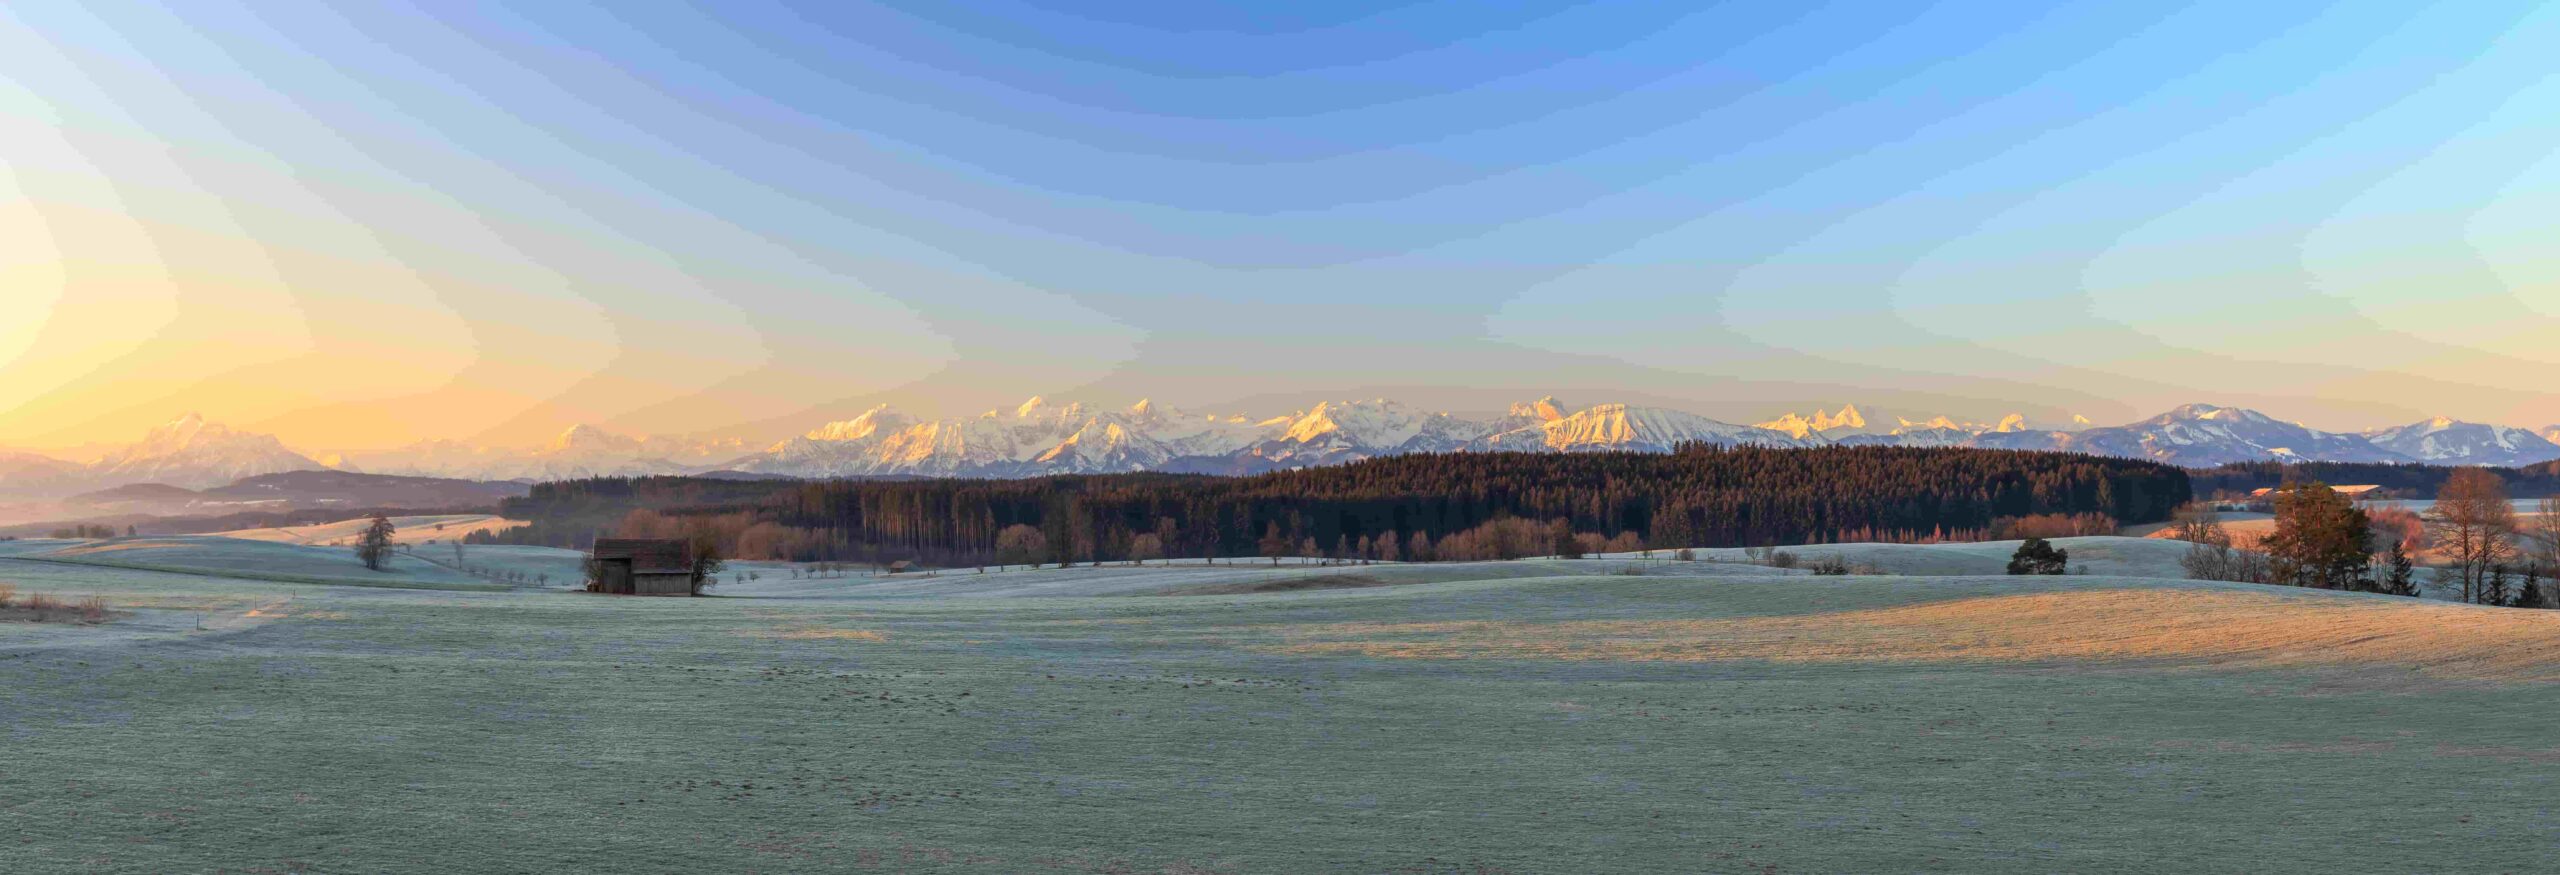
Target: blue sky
{"x": 361, "y": 226}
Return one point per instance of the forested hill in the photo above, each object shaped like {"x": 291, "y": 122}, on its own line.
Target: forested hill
{"x": 1697, "y": 496}
{"x": 2410, "y": 481}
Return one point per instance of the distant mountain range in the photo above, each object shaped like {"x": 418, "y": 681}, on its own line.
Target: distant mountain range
{"x": 1040, "y": 437}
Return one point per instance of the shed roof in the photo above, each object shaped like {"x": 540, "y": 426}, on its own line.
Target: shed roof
{"x": 647, "y": 555}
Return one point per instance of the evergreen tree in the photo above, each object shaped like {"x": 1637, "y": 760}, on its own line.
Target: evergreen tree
{"x": 2037, "y": 556}
{"x": 2402, "y": 579}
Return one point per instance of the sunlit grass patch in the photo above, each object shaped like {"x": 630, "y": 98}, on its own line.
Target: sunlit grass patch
{"x": 2273, "y": 629}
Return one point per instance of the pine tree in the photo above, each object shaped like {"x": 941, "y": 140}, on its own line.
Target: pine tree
{"x": 2402, "y": 579}
{"x": 2038, "y": 556}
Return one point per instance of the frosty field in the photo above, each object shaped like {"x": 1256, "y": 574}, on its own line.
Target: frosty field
{"x": 1538, "y": 716}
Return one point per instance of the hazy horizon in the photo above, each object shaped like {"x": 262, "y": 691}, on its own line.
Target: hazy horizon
{"x": 361, "y": 228}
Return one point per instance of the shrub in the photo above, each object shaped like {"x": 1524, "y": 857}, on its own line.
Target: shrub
{"x": 1686, "y": 555}
{"x": 40, "y": 604}
{"x": 7, "y": 592}
{"x": 1781, "y": 559}
{"x": 1831, "y": 566}
{"x": 93, "y": 610}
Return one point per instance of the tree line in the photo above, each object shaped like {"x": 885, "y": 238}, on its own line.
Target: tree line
{"x": 1698, "y": 495}
{"x": 2238, "y": 479}
{"x": 2485, "y": 552}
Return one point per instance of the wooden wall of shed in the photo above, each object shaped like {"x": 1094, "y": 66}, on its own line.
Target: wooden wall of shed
{"x": 661, "y": 584}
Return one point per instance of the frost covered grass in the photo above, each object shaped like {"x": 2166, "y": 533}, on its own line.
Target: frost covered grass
{"x": 2098, "y": 555}
{"x": 259, "y": 560}
{"x": 1541, "y": 716}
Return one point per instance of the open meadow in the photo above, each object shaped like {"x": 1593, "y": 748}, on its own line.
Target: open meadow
{"x": 247, "y": 710}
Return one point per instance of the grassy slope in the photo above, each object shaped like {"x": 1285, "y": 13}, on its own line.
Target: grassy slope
{"x": 1502, "y": 718}
{"x": 2105, "y": 556}
{"x": 260, "y": 560}
{"x": 405, "y": 529}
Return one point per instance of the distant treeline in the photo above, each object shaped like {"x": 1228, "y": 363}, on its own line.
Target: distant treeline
{"x": 2409, "y": 481}
{"x": 1698, "y": 496}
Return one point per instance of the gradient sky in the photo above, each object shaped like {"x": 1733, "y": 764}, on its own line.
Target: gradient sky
{"x": 361, "y": 227}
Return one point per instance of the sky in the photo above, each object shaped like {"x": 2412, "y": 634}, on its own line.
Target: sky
{"x": 361, "y": 227}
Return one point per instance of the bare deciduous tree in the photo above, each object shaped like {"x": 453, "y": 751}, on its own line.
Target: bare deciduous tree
{"x": 1019, "y": 544}
{"x": 373, "y": 547}
{"x": 1145, "y": 547}
{"x": 2474, "y": 526}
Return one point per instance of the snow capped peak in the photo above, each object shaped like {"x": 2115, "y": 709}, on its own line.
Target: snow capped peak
{"x": 1621, "y": 427}
{"x": 1546, "y": 409}
{"x": 1031, "y": 407}
{"x": 2011, "y": 422}
{"x": 1793, "y": 425}
{"x": 1934, "y": 423}
{"x": 2452, "y": 441}
{"x": 1799, "y": 426}
{"x": 2215, "y": 413}
{"x": 1143, "y": 407}
{"x": 871, "y": 422}
{"x": 191, "y": 452}
{"x": 583, "y": 436}
{"x": 1376, "y": 424}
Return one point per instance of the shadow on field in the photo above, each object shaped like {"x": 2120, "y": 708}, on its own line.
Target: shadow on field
{"x": 1294, "y": 584}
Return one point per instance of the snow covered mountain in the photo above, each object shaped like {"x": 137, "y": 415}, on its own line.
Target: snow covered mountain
{"x": 2449, "y": 442}
{"x": 1854, "y": 427}
{"x": 581, "y": 451}
{"x": 1800, "y": 426}
{"x": 2203, "y": 435}
{"x": 1042, "y": 438}
{"x": 1039, "y": 438}
{"x": 190, "y": 452}
{"x": 1620, "y": 427}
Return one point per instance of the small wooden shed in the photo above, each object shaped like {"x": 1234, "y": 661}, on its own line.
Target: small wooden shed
{"x": 643, "y": 566}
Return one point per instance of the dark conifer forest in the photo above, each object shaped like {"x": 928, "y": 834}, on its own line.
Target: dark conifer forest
{"x": 2407, "y": 481}
{"x": 1698, "y": 496}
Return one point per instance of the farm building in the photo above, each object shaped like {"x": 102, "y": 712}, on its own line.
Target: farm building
{"x": 642, "y": 566}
